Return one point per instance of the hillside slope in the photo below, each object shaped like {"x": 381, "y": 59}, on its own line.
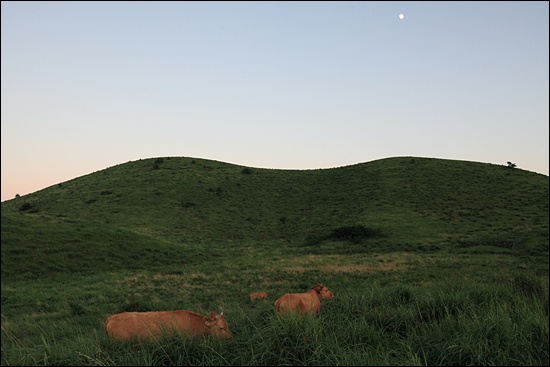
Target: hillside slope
{"x": 412, "y": 202}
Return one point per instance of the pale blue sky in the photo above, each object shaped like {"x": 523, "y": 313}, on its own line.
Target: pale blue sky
{"x": 289, "y": 85}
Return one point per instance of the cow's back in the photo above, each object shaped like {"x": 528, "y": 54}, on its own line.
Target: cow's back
{"x": 300, "y": 302}
{"x": 144, "y": 326}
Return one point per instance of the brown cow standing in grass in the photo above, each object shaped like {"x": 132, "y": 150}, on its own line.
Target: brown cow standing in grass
{"x": 148, "y": 326}
{"x": 307, "y": 302}
{"x": 258, "y": 295}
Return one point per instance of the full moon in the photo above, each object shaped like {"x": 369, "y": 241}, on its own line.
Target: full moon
{"x": 401, "y": 16}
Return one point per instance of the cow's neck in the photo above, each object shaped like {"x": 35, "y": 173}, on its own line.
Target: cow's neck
{"x": 313, "y": 292}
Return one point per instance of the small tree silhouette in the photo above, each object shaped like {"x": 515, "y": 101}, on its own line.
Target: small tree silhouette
{"x": 511, "y": 165}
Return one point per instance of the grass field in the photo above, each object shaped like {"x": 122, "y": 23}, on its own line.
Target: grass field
{"x": 432, "y": 262}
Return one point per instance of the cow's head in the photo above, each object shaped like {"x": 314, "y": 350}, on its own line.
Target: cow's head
{"x": 324, "y": 292}
{"x": 217, "y": 325}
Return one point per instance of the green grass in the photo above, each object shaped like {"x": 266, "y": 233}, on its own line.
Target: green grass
{"x": 432, "y": 262}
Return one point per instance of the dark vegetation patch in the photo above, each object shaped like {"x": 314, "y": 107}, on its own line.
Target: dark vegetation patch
{"x": 352, "y": 235}
{"x": 25, "y": 207}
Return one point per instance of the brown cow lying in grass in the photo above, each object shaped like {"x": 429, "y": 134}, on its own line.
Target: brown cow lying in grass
{"x": 147, "y": 326}
{"x": 307, "y": 302}
{"x": 258, "y": 295}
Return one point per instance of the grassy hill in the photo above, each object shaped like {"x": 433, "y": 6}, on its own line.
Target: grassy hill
{"x": 412, "y": 203}
{"x": 163, "y": 233}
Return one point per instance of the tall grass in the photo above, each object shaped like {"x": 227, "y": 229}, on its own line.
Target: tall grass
{"x": 448, "y": 324}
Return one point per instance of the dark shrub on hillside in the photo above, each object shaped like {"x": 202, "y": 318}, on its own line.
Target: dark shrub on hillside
{"x": 25, "y": 207}
{"x": 353, "y": 233}
{"x": 246, "y": 171}
{"x": 157, "y": 163}
{"x": 28, "y": 208}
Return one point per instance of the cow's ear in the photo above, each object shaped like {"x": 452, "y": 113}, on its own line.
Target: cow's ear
{"x": 212, "y": 316}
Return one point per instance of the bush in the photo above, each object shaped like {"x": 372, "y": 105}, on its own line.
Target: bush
{"x": 353, "y": 233}
{"x": 25, "y": 207}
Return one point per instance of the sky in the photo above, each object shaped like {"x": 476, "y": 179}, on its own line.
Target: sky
{"x": 284, "y": 85}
